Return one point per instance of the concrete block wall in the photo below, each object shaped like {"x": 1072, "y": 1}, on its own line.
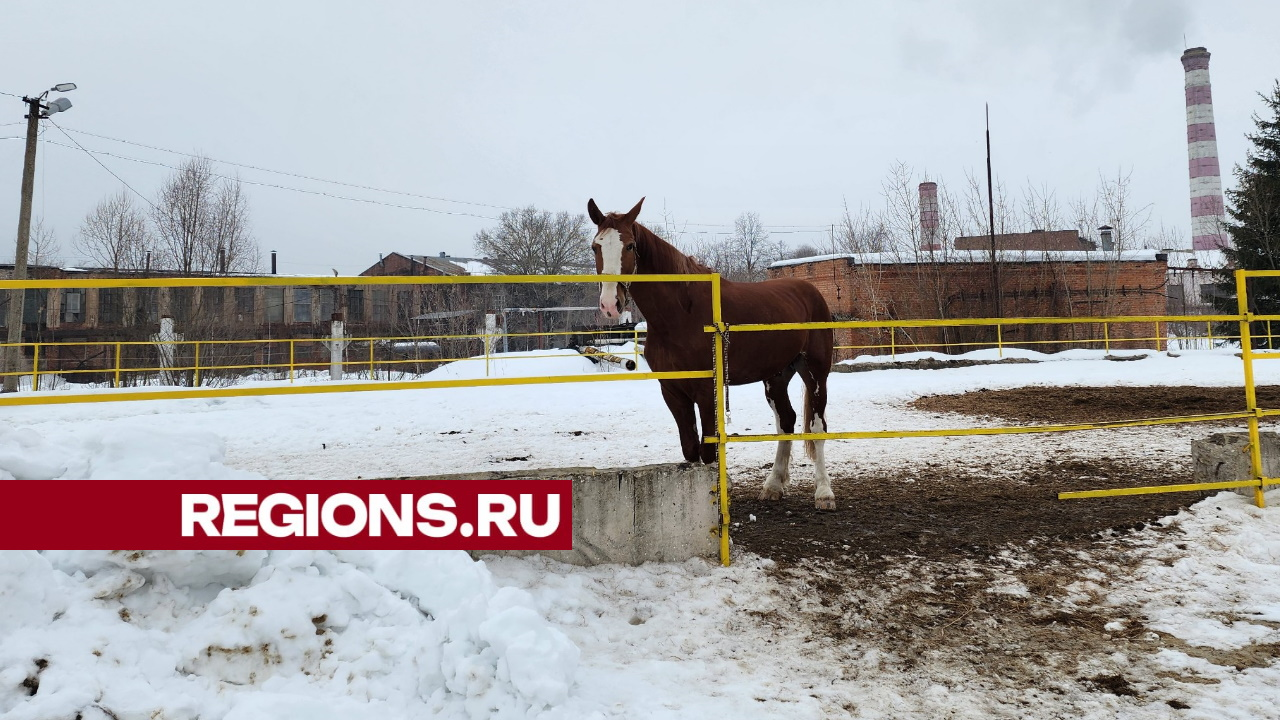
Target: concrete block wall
{"x": 653, "y": 513}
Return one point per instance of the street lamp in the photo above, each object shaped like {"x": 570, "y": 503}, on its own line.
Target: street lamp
{"x": 36, "y": 109}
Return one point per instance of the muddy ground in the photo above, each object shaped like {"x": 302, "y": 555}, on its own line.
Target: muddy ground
{"x": 980, "y": 570}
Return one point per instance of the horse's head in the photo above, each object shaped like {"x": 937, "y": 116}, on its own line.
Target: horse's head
{"x": 615, "y": 248}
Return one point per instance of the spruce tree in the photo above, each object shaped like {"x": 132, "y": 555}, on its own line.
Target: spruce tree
{"x": 1255, "y": 217}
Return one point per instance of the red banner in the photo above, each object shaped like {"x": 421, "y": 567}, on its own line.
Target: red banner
{"x": 286, "y": 514}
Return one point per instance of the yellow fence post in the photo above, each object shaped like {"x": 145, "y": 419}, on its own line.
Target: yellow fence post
{"x": 635, "y": 344}
{"x": 1166, "y": 345}
{"x": 999, "y": 341}
{"x": 371, "y": 375}
{"x": 117, "y": 383}
{"x": 1209, "y": 329}
{"x": 722, "y": 444}
{"x": 893, "y": 343}
{"x": 1106, "y": 337}
{"x": 486, "y": 354}
{"x": 195, "y": 380}
{"x": 1269, "y": 346}
{"x": 290, "y": 359}
{"x": 35, "y": 366}
{"x": 1250, "y": 394}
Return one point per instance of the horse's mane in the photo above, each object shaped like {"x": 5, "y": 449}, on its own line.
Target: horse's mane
{"x": 666, "y": 257}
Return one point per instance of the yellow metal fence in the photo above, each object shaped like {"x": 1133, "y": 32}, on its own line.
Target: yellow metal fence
{"x": 1250, "y": 412}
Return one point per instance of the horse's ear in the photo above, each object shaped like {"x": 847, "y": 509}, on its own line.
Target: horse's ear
{"x": 593, "y": 212}
{"x": 634, "y": 212}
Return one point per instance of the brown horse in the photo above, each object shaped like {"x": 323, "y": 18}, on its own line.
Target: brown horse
{"x": 678, "y": 311}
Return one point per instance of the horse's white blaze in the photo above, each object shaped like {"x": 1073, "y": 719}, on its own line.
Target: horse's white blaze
{"x": 610, "y": 242}
{"x": 780, "y": 475}
{"x": 823, "y": 492}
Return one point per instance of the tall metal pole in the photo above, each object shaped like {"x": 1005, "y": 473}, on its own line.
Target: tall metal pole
{"x": 13, "y": 353}
{"x": 991, "y": 212}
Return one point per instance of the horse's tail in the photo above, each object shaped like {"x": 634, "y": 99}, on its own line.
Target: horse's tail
{"x": 809, "y": 448}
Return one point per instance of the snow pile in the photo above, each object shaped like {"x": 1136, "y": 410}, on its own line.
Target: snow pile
{"x": 89, "y": 453}
{"x": 248, "y": 635}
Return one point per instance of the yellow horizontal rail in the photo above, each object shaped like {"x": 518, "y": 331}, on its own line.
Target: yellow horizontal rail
{"x": 1022, "y": 430}
{"x": 281, "y": 281}
{"x": 63, "y": 398}
{"x": 1151, "y": 489}
{"x": 969, "y": 322}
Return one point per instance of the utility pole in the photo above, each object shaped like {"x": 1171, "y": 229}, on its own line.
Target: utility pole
{"x": 36, "y": 109}
{"x": 991, "y": 212}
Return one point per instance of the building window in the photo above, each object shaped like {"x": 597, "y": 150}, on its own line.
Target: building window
{"x": 147, "y": 309}
{"x": 381, "y": 306}
{"x": 327, "y": 297}
{"x": 275, "y": 304}
{"x": 34, "y": 304}
{"x": 404, "y": 305}
{"x": 211, "y": 302}
{"x": 1212, "y": 291}
{"x": 355, "y": 304}
{"x": 73, "y": 305}
{"x": 302, "y": 305}
{"x": 245, "y": 297}
{"x": 180, "y": 304}
{"x": 111, "y": 306}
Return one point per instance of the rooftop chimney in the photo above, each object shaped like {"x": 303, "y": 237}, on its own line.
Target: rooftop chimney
{"x": 1108, "y": 244}
{"x": 1207, "y": 214}
{"x": 929, "y": 240}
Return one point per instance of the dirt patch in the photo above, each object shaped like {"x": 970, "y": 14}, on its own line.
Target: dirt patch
{"x": 1051, "y": 405}
{"x": 940, "y": 514}
{"x": 977, "y": 572}
{"x": 924, "y": 364}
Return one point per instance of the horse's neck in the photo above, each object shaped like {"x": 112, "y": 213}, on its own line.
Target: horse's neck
{"x": 666, "y": 303}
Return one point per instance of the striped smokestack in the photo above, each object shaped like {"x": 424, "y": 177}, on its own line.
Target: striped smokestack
{"x": 929, "y": 216}
{"x": 1207, "y": 215}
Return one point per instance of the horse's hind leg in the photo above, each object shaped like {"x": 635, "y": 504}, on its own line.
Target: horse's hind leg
{"x": 815, "y": 381}
{"x": 775, "y": 391}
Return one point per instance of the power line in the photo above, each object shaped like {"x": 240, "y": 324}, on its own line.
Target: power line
{"x": 94, "y": 153}
{"x": 95, "y": 159}
{"x": 291, "y": 174}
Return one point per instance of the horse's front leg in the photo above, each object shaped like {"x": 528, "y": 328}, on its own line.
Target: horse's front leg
{"x": 707, "y": 410}
{"x": 681, "y": 407}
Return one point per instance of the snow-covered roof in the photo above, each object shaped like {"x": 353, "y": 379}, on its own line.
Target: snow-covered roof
{"x": 476, "y": 267}
{"x": 978, "y": 256}
{"x": 1210, "y": 259}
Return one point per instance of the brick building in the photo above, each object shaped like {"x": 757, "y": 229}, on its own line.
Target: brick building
{"x": 882, "y": 286}
{"x": 1051, "y": 240}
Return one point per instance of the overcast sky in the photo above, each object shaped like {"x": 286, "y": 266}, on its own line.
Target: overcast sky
{"x": 709, "y": 109}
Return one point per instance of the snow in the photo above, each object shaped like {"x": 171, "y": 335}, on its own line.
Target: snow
{"x": 257, "y": 634}
{"x": 140, "y": 634}
{"x": 980, "y": 256}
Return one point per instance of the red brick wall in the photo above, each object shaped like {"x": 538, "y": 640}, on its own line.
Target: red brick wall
{"x": 963, "y": 290}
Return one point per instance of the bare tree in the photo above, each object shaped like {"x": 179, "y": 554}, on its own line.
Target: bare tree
{"x": 804, "y": 251}
{"x": 114, "y": 234}
{"x": 231, "y": 244}
{"x": 751, "y": 243}
{"x": 201, "y": 224}
{"x": 528, "y": 241}
{"x": 45, "y": 248}
{"x": 862, "y": 232}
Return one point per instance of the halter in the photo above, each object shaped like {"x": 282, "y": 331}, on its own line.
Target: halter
{"x": 626, "y": 285}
